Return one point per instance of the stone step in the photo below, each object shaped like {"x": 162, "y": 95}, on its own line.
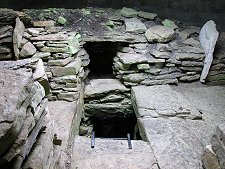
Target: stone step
{"x": 109, "y": 153}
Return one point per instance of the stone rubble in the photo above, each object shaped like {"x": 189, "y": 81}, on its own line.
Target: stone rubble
{"x": 6, "y": 51}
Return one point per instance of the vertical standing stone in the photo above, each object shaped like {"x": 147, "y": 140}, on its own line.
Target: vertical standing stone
{"x": 18, "y": 36}
{"x": 208, "y": 37}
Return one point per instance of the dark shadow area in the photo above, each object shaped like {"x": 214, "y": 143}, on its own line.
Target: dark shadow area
{"x": 194, "y": 12}
{"x": 115, "y": 127}
{"x": 101, "y": 56}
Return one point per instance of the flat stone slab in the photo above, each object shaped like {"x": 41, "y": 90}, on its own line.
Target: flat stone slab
{"x": 49, "y": 37}
{"x": 128, "y": 58}
{"x": 108, "y": 110}
{"x": 63, "y": 113}
{"x": 179, "y": 143}
{"x": 162, "y": 101}
{"x": 176, "y": 143}
{"x": 135, "y": 25}
{"x": 99, "y": 87}
{"x": 110, "y": 154}
{"x": 15, "y": 96}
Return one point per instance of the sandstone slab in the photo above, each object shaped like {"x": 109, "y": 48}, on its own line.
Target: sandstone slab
{"x": 134, "y": 25}
{"x": 208, "y": 37}
{"x": 162, "y": 101}
{"x": 159, "y": 34}
{"x": 15, "y": 97}
{"x": 128, "y": 12}
{"x": 108, "y": 110}
{"x": 18, "y": 36}
{"x": 147, "y": 15}
{"x": 28, "y": 50}
{"x": 176, "y": 143}
{"x": 128, "y": 59}
{"x": 112, "y": 154}
{"x": 54, "y": 37}
{"x": 99, "y": 87}
{"x": 48, "y": 23}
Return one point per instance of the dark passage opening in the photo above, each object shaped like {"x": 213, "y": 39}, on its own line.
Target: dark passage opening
{"x": 110, "y": 127}
{"x": 116, "y": 127}
{"x": 101, "y": 58}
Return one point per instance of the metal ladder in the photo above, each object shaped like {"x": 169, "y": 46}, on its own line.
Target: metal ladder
{"x": 128, "y": 140}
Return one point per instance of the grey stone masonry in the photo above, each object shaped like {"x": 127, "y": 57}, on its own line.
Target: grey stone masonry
{"x": 158, "y": 63}
{"x": 23, "y": 104}
{"x": 64, "y": 59}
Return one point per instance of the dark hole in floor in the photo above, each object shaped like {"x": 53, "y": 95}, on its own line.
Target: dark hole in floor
{"x": 116, "y": 127}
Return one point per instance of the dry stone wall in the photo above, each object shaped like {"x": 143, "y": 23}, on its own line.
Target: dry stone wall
{"x": 24, "y": 108}
{"x": 162, "y": 61}
{"x": 6, "y": 38}
{"x": 31, "y": 134}
{"x": 107, "y": 98}
{"x": 169, "y": 53}
{"x": 216, "y": 74}
{"x": 61, "y": 53}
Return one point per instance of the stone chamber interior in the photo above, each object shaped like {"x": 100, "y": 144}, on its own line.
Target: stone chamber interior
{"x": 70, "y": 79}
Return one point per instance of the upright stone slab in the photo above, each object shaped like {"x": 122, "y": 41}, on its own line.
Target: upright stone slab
{"x": 18, "y": 36}
{"x": 208, "y": 37}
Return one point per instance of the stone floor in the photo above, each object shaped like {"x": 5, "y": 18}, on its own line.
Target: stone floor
{"x": 178, "y": 142}
{"x": 110, "y": 154}
{"x": 63, "y": 114}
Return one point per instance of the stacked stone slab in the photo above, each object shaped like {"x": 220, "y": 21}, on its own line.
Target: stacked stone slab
{"x": 216, "y": 74}
{"x": 6, "y": 34}
{"x": 60, "y": 50}
{"x": 167, "y": 60}
{"x": 30, "y": 133}
{"x": 107, "y": 98}
{"x": 23, "y": 109}
{"x": 8, "y": 16}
